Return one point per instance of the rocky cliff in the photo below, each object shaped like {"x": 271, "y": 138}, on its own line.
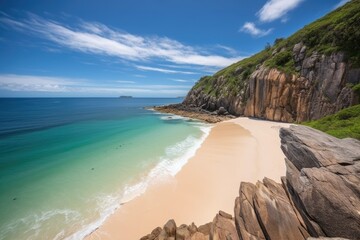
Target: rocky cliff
{"x": 319, "y": 197}
{"x": 307, "y": 76}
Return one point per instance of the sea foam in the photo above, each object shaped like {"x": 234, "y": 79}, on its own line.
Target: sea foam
{"x": 176, "y": 156}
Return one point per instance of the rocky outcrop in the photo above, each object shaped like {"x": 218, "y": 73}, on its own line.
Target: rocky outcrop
{"x": 195, "y": 113}
{"x": 320, "y": 86}
{"x": 191, "y": 232}
{"x": 318, "y": 199}
{"x": 323, "y": 176}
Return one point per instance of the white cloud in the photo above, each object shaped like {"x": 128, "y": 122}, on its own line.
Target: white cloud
{"x": 341, "y": 3}
{"x": 251, "y": 28}
{"x": 125, "y": 81}
{"x": 14, "y": 82}
{"x": 274, "y": 9}
{"x": 96, "y": 38}
{"x": 30, "y": 83}
{"x": 181, "y": 80}
{"x": 163, "y": 70}
{"x": 229, "y": 50}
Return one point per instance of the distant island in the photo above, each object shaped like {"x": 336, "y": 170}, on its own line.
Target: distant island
{"x": 125, "y": 97}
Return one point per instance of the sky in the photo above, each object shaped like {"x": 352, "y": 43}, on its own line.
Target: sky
{"x": 142, "y": 48}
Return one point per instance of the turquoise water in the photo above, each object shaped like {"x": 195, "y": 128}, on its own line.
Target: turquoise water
{"x": 66, "y": 164}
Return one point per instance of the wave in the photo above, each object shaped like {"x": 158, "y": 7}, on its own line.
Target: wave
{"x": 176, "y": 156}
{"x": 34, "y": 223}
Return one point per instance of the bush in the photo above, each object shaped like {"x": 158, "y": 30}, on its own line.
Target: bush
{"x": 345, "y": 123}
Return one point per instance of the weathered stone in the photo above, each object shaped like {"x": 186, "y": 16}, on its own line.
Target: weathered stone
{"x": 198, "y": 236}
{"x": 223, "y": 229}
{"x": 156, "y": 232}
{"x": 170, "y": 228}
{"x": 163, "y": 235}
{"x": 326, "y": 238}
{"x": 222, "y": 111}
{"x": 247, "y": 225}
{"x": 275, "y": 213}
{"x": 205, "y": 229}
{"x": 182, "y": 233}
{"x": 324, "y": 181}
{"x": 192, "y": 228}
{"x": 225, "y": 215}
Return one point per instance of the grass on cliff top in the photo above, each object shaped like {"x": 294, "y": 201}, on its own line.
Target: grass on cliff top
{"x": 337, "y": 31}
{"x": 343, "y": 124}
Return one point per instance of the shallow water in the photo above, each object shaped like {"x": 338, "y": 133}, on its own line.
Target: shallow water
{"x": 66, "y": 164}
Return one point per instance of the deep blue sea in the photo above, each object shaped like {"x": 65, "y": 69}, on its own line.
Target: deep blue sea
{"x": 68, "y": 163}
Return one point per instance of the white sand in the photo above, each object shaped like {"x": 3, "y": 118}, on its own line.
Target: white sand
{"x": 238, "y": 150}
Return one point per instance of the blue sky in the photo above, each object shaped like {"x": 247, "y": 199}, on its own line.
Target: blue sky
{"x": 143, "y": 48}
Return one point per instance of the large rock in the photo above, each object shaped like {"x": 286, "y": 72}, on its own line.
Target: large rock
{"x": 323, "y": 176}
{"x": 223, "y": 228}
{"x": 170, "y": 228}
{"x": 275, "y": 213}
{"x": 247, "y": 224}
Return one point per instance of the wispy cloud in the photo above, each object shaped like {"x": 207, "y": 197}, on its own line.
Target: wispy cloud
{"x": 125, "y": 81}
{"x": 341, "y": 3}
{"x": 251, "y": 28}
{"x": 162, "y": 70}
{"x": 181, "y": 80}
{"x": 275, "y": 9}
{"x": 227, "y": 49}
{"x": 14, "y": 82}
{"x": 96, "y": 38}
{"x": 30, "y": 83}
{"x": 139, "y": 76}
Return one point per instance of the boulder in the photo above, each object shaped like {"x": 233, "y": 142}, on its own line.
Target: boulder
{"x": 223, "y": 229}
{"x": 198, "y": 236}
{"x": 205, "y": 229}
{"x": 246, "y": 221}
{"x": 192, "y": 228}
{"x": 225, "y": 215}
{"x": 222, "y": 111}
{"x": 323, "y": 176}
{"x": 170, "y": 228}
{"x": 275, "y": 213}
{"x": 182, "y": 233}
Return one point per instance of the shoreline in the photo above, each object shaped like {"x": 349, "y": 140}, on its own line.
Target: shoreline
{"x": 235, "y": 150}
{"x": 195, "y": 113}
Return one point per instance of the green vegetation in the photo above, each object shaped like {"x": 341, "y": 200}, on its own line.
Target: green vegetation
{"x": 356, "y": 90}
{"x": 337, "y": 31}
{"x": 345, "y": 123}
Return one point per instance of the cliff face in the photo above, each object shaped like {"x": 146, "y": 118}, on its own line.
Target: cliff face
{"x": 319, "y": 197}
{"x": 318, "y": 90}
{"x": 322, "y": 86}
{"x": 305, "y": 77}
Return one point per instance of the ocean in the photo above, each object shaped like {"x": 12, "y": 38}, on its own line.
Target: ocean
{"x": 66, "y": 164}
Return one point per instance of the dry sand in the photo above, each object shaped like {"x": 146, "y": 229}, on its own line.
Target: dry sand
{"x": 238, "y": 150}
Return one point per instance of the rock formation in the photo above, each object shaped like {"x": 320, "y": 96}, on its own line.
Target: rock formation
{"x": 319, "y": 88}
{"x": 318, "y": 199}
{"x": 307, "y": 76}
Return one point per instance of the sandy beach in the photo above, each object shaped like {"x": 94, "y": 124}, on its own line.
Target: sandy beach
{"x": 237, "y": 150}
